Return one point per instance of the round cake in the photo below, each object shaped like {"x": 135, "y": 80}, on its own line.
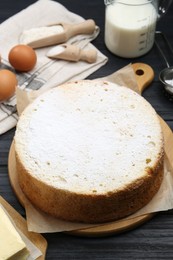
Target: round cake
{"x": 89, "y": 151}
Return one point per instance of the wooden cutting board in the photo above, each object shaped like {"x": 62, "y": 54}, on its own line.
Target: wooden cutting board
{"x": 144, "y": 75}
{"x": 108, "y": 228}
{"x": 38, "y": 240}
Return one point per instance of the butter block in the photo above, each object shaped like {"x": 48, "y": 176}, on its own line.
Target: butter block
{"x": 12, "y": 246}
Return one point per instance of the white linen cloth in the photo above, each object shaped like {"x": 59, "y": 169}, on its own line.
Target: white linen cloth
{"x": 47, "y": 73}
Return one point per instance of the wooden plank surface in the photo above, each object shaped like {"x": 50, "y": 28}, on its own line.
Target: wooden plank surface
{"x": 154, "y": 239}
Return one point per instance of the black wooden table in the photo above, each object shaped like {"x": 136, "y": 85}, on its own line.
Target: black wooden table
{"x": 152, "y": 240}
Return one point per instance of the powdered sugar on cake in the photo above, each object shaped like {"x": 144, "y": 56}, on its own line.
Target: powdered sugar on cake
{"x": 89, "y": 137}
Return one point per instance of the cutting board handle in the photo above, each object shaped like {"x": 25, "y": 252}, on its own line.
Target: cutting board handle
{"x": 144, "y": 75}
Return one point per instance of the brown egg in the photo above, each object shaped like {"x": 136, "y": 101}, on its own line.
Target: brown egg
{"x": 22, "y": 57}
{"x": 8, "y": 83}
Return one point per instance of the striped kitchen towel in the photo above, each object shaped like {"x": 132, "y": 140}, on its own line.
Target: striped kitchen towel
{"x": 47, "y": 73}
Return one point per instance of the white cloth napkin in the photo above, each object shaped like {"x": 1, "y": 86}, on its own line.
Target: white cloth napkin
{"x": 47, "y": 73}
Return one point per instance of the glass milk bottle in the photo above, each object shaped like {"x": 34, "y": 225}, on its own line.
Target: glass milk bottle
{"x": 130, "y": 25}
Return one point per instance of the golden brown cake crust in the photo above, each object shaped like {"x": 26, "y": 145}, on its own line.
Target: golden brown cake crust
{"x": 85, "y": 208}
{"x": 100, "y": 156}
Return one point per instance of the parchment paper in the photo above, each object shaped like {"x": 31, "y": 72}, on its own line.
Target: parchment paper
{"x": 42, "y": 223}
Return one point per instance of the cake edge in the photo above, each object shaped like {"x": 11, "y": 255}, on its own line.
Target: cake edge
{"x": 91, "y": 208}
